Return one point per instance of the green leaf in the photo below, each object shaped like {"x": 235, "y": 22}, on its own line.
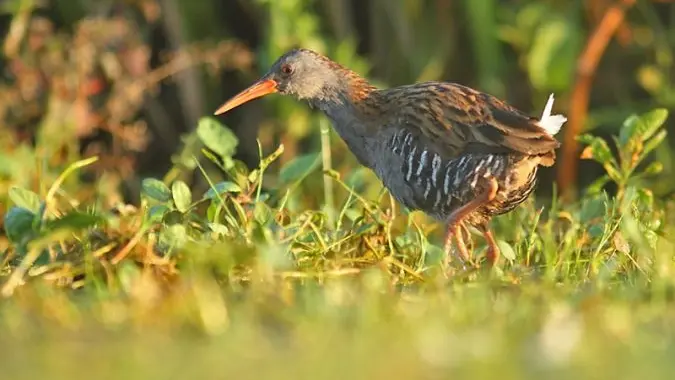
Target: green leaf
{"x": 365, "y": 228}
{"x": 216, "y": 137}
{"x": 405, "y": 240}
{"x": 642, "y": 127}
{"x": 298, "y": 168}
{"x": 219, "y": 229}
{"x": 628, "y": 129}
{"x": 599, "y": 151}
{"x": 75, "y": 220}
{"x": 174, "y": 236}
{"x": 353, "y": 214}
{"x": 156, "y": 189}
{"x": 434, "y": 255}
{"x": 653, "y": 168}
{"x": 613, "y": 172}
{"x": 213, "y": 212}
{"x": 654, "y": 142}
{"x": 220, "y": 188}
{"x": 253, "y": 176}
{"x": 156, "y": 213}
{"x": 645, "y": 197}
{"x": 651, "y": 122}
{"x": 24, "y": 198}
{"x": 223, "y": 163}
{"x": 262, "y": 213}
{"x": 18, "y": 223}
{"x": 506, "y": 250}
{"x": 586, "y": 138}
{"x": 182, "y": 196}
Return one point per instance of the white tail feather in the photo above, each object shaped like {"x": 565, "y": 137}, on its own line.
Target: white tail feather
{"x": 551, "y": 123}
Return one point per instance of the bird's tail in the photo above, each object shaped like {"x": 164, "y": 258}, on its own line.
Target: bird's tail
{"x": 551, "y": 123}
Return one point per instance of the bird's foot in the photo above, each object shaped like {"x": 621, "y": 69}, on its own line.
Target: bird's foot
{"x": 492, "y": 255}
{"x": 457, "y": 262}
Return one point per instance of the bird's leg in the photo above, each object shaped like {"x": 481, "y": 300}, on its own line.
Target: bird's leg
{"x": 467, "y": 236}
{"x": 492, "y": 253}
{"x": 455, "y": 219}
{"x": 456, "y": 231}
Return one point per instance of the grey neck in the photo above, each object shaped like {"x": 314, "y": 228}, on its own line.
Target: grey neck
{"x": 349, "y": 123}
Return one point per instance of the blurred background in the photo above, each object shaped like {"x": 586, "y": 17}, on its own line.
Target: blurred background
{"x": 128, "y": 80}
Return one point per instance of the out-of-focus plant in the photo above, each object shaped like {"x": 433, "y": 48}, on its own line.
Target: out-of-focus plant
{"x": 87, "y": 92}
{"x": 638, "y": 137}
{"x": 630, "y": 222}
{"x": 548, "y": 40}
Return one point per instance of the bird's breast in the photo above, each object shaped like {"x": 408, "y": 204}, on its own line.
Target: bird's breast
{"x": 424, "y": 179}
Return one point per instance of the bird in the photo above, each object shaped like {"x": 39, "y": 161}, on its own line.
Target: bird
{"x": 460, "y": 155}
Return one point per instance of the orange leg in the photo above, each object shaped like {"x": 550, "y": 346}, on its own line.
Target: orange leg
{"x": 467, "y": 236}
{"x": 461, "y": 245}
{"x": 493, "y": 253}
{"x": 455, "y": 219}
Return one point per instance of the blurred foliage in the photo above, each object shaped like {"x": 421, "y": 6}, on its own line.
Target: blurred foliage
{"x": 249, "y": 271}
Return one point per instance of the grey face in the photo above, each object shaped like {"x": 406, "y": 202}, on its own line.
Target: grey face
{"x": 304, "y": 74}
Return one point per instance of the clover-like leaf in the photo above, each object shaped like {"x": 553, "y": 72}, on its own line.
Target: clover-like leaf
{"x": 24, "y": 198}
{"x": 174, "y": 236}
{"x": 216, "y": 137}
{"x": 18, "y": 223}
{"x": 156, "y": 213}
{"x": 182, "y": 196}
{"x": 156, "y": 189}
{"x": 220, "y": 188}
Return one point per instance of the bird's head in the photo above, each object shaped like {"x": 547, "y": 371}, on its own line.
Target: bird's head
{"x": 300, "y": 73}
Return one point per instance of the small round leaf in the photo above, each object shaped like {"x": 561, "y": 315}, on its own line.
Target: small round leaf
{"x": 182, "y": 196}
{"x": 24, "y": 198}
{"x": 18, "y": 223}
{"x": 156, "y": 189}
{"x": 216, "y": 137}
{"x": 222, "y": 187}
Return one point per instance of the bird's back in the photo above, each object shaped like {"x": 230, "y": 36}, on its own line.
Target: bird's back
{"x": 439, "y": 142}
{"x": 456, "y": 119}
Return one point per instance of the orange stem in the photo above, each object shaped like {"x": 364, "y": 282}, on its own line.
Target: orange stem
{"x": 586, "y": 67}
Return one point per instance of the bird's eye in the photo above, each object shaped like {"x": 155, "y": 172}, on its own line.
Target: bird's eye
{"x": 286, "y": 69}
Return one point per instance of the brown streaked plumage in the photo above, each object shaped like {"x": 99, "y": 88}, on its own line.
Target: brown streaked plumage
{"x": 460, "y": 155}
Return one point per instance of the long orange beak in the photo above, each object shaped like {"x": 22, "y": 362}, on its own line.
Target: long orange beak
{"x": 256, "y": 90}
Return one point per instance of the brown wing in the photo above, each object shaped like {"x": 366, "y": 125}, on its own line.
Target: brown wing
{"x": 457, "y": 120}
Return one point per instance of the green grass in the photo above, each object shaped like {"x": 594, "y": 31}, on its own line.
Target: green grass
{"x": 253, "y": 277}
